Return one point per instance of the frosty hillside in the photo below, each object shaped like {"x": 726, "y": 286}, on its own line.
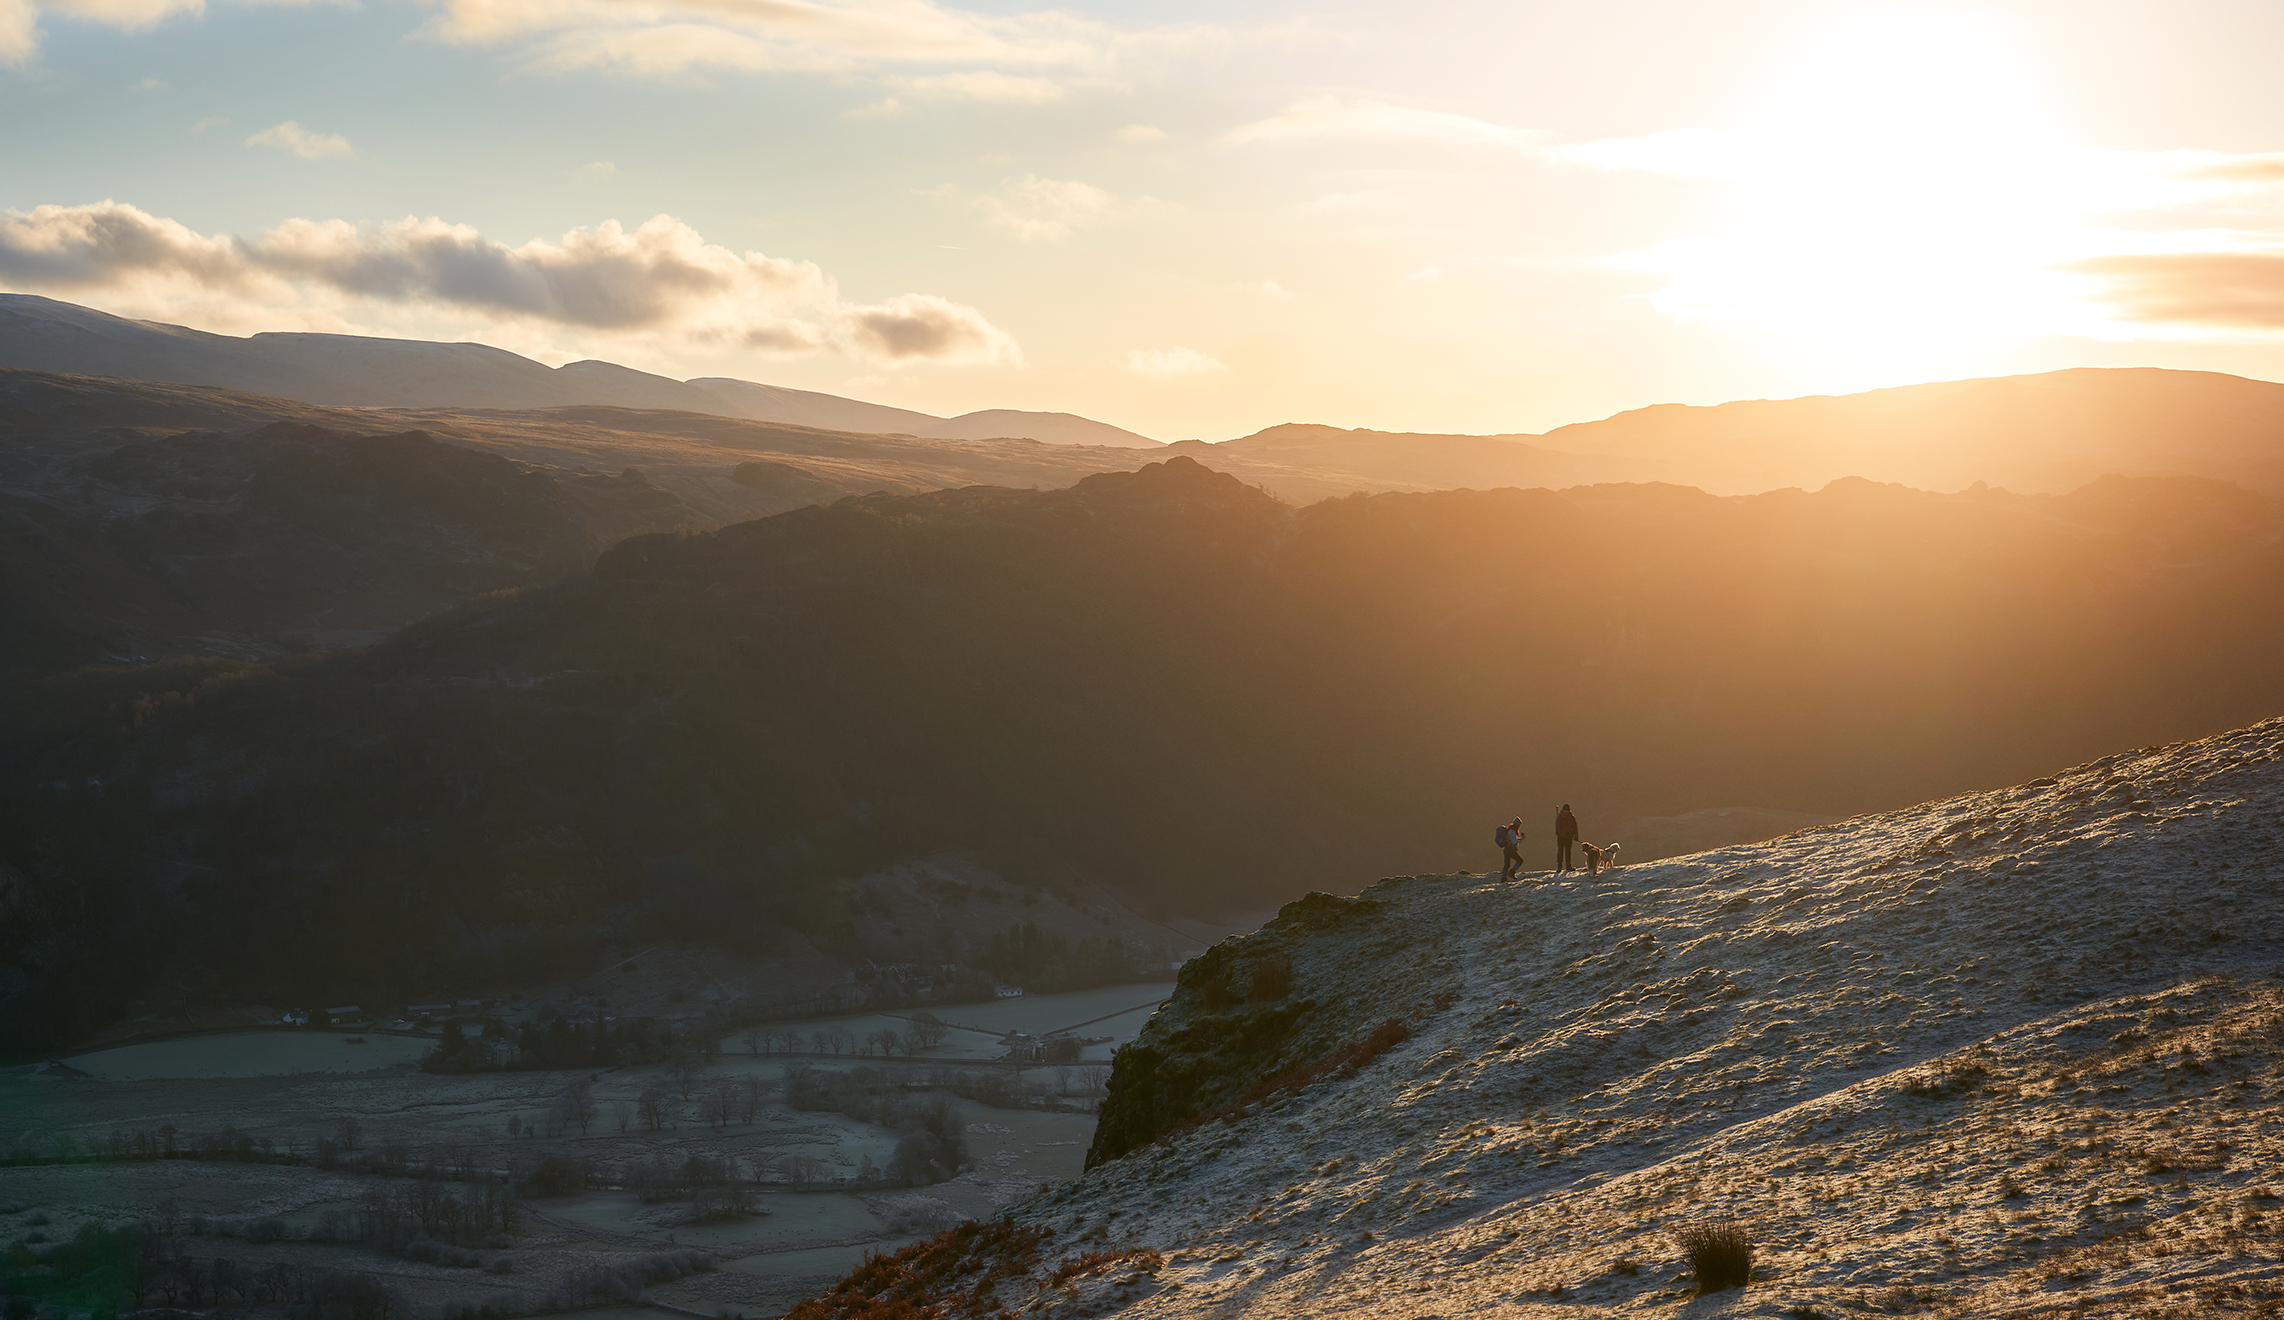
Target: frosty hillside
{"x": 2015, "y": 1051}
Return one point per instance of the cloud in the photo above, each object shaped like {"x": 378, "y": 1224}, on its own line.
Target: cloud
{"x": 292, "y": 137}
{"x": 20, "y": 33}
{"x": 596, "y": 170}
{"x": 1137, "y": 134}
{"x": 1329, "y": 119}
{"x": 920, "y": 325}
{"x": 1043, "y": 210}
{"x": 1163, "y": 362}
{"x": 987, "y": 86}
{"x": 1269, "y": 289}
{"x": 666, "y": 38}
{"x": 150, "y": 85}
{"x": 211, "y": 121}
{"x": 2217, "y": 290}
{"x": 660, "y": 278}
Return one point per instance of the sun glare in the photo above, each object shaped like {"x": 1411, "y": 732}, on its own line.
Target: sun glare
{"x": 1901, "y": 195}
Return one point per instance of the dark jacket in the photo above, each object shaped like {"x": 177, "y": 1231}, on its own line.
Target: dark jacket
{"x": 1565, "y": 826}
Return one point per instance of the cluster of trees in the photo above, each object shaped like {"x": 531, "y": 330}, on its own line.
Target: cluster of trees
{"x": 1044, "y": 962}
{"x": 561, "y": 1042}
{"x": 109, "y": 1270}
{"x": 415, "y": 1217}
{"x": 626, "y": 1280}
{"x": 924, "y": 1030}
{"x": 931, "y": 1143}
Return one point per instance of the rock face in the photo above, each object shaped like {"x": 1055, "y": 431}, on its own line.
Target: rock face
{"x": 2013, "y": 1050}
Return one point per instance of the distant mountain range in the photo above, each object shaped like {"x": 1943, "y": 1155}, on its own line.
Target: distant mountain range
{"x": 2043, "y": 434}
{"x": 42, "y": 334}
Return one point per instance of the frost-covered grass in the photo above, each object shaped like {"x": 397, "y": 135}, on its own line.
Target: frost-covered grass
{"x": 2016, "y": 1051}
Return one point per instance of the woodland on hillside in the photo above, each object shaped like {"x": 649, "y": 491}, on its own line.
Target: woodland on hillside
{"x": 1166, "y": 680}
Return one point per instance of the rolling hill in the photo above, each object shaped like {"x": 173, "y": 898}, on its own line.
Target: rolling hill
{"x": 2042, "y": 434}
{"x": 42, "y": 334}
{"x": 113, "y": 492}
{"x": 1163, "y": 681}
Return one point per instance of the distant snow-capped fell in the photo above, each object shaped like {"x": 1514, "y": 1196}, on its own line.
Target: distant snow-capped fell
{"x": 43, "y": 334}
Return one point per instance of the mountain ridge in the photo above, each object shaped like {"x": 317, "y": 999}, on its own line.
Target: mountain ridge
{"x": 45, "y": 334}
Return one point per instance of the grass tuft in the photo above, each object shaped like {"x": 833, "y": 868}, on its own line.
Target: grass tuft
{"x": 1720, "y": 1254}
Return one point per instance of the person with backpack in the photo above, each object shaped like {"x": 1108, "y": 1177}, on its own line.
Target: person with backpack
{"x": 1565, "y": 834}
{"x": 1509, "y": 837}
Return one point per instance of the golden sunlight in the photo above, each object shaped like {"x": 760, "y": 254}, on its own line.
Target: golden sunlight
{"x": 1902, "y": 194}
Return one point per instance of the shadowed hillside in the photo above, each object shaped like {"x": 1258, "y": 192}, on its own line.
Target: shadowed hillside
{"x": 1165, "y": 680}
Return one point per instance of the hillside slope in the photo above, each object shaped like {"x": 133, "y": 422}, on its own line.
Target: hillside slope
{"x": 1164, "y": 680}
{"x": 2014, "y": 1052}
{"x": 2046, "y": 433}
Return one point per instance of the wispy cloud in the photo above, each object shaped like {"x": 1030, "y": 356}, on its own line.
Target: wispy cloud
{"x": 1331, "y": 119}
{"x": 1138, "y": 134}
{"x": 987, "y": 86}
{"x": 665, "y": 38}
{"x": 20, "y": 33}
{"x": 2224, "y": 291}
{"x": 1038, "y": 210}
{"x": 1162, "y": 362}
{"x": 595, "y": 171}
{"x": 660, "y": 278}
{"x": 291, "y": 137}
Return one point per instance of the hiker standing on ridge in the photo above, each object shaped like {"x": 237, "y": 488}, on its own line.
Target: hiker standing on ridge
{"x": 1509, "y": 838}
{"x": 1565, "y": 834}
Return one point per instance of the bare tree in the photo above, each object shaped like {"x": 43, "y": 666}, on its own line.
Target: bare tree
{"x": 820, "y": 1041}
{"x": 931, "y": 1029}
{"x": 579, "y": 1104}
{"x": 683, "y": 1068}
{"x": 348, "y": 1130}
{"x": 622, "y": 1113}
{"x": 749, "y": 1099}
{"x": 720, "y": 1103}
{"x": 653, "y": 1103}
{"x": 753, "y": 1042}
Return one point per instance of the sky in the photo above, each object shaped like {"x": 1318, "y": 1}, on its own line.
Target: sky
{"x": 1190, "y": 220}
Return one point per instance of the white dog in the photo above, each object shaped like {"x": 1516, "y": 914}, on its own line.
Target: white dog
{"x": 1602, "y": 858}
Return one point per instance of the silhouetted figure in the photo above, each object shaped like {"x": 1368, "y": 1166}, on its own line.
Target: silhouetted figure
{"x": 1565, "y": 834}
{"x": 1510, "y": 839}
